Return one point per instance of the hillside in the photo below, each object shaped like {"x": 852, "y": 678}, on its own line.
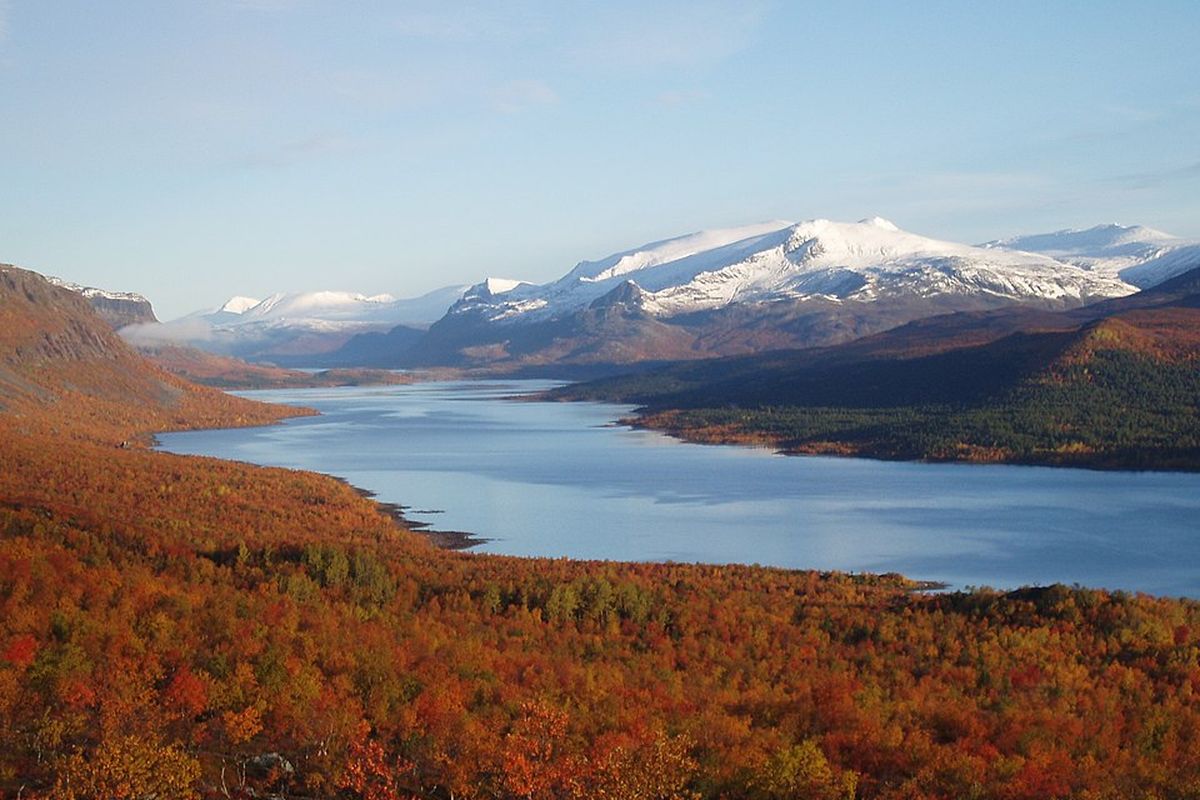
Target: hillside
{"x": 63, "y": 369}
{"x": 1116, "y": 384}
{"x": 185, "y": 627}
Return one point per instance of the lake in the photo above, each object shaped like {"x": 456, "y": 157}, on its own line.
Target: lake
{"x": 560, "y": 479}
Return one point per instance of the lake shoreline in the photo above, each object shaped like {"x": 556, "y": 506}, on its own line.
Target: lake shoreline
{"x": 443, "y": 540}
{"x": 579, "y": 481}
{"x": 658, "y": 421}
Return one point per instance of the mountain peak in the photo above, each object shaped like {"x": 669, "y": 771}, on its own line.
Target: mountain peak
{"x": 654, "y": 254}
{"x": 239, "y": 304}
{"x": 500, "y": 285}
{"x": 879, "y": 222}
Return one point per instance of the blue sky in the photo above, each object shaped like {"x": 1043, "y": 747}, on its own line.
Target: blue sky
{"x": 191, "y": 150}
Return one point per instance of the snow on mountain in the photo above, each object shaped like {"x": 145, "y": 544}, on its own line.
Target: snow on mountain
{"x": 319, "y": 320}
{"x": 668, "y": 251}
{"x": 91, "y": 292}
{"x": 867, "y": 260}
{"x": 238, "y": 304}
{"x": 1136, "y": 254}
{"x": 325, "y": 306}
{"x": 501, "y": 285}
{"x": 1163, "y": 266}
{"x": 328, "y": 310}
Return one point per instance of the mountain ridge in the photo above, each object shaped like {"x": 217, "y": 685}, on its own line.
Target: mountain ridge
{"x": 765, "y": 262}
{"x": 736, "y": 290}
{"x": 710, "y": 293}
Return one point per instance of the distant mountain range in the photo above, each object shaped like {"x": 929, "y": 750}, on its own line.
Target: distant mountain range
{"x": 719, "y": 292}
{"x": 295, "y": 326}
{"x": 865, "y": 261}
{"x": 779, "y": 285}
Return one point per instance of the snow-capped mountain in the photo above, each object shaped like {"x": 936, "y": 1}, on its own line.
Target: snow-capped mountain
{"x": 864, "y": 261}
{"x": 770, "y": 285}
{"x": 737, "y": 290}
{"x": 1138, "y": 255}
{"x": 324, "y": 310}
{"x": 91, "y": 291}
{"x": 296, "y": 323}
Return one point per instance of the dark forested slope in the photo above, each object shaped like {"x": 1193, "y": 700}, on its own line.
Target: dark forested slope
{"x": 1111, "y": 385}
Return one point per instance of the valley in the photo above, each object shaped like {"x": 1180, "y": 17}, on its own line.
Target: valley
{"x": 599, "y": 401}
{"x": 192, "y": 627}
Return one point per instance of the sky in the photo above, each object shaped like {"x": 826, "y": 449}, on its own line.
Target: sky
{"x": 192, "y": 150}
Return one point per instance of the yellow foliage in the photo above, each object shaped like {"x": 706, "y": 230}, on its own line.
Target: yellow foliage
{"x": 128, "y": 768}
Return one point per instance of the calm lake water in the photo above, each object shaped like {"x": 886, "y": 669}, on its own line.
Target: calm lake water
{"x": 558, "y": 479}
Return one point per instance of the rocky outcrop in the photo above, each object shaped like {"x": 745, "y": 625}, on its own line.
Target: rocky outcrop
{"x": 118, "y": 309}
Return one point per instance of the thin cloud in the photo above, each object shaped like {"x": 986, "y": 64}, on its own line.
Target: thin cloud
{"x": 1152, "y": 179}
{"x": 1132, "y": 113}
{"x": 955, "y": 193}
{"x": 264, "y": 5}
{"x": 158, "y": 334}
{"x": 675, "y": 99}
{"x": 297, "y": 151}
{"x": 516, "y": 96}
{"x": 468, "y": 22}
{"x": 376, "y": 89}
{"x": 671, "y": 34}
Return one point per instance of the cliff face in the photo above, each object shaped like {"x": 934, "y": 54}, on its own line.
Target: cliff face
{"x": 118, "y": 309}
{"x": 121, "y": 311}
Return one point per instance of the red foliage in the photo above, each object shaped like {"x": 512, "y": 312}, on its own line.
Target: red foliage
{"x": 186, "y": 693}
{"x": 373, "y": 774}
{"x": 20, "y": 650}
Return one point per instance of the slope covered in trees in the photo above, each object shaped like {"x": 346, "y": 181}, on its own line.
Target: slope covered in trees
{"x": 185, "y": 627}
{"x": 1113, "y": 385}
